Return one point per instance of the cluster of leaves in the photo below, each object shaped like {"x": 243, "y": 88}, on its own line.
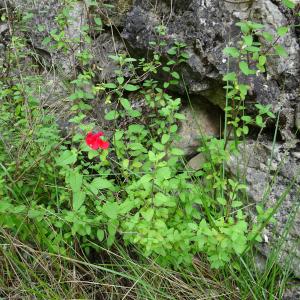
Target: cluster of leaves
{"x": 139, "y": 189}
{"x": 252, "y": 60}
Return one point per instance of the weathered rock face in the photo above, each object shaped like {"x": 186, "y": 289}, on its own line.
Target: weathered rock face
{"x": 207, "y": 27}
{"x": 292, "y": 292}
{"x": 272, "y": 177}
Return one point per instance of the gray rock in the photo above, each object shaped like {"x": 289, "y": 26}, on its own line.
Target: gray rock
{"x": 292, "y": 292}
{"x": 269, "y": 14}
{"x": 3, "y": 27}
{"x": 207, "y": 27}
{"x": 272, "y": 179}
{"x": 115, "y": 14}
{"x": 43, "y": 14}
{"x": 101, "y": 48}
{"x": 196, "y": 162}
{"x": 202, "y": 119}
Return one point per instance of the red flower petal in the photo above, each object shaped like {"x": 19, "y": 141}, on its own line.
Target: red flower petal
{"x": 103, "y": 144}
{"x": 90, "y": 140}
{"x": 89, "y": 137}
{"x": 93, "y": 141}
{"x": 98, "y": 134}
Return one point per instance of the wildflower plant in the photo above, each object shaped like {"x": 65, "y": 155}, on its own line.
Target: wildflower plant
{"x": 93, "y": 188}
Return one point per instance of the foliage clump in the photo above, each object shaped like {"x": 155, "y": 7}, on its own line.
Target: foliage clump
{"x": 138, "y": 190}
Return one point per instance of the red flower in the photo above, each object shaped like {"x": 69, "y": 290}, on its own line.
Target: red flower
{"x": 93, "y": 141}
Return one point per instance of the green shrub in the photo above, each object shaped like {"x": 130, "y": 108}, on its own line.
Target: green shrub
{"x": 138, "y": 189}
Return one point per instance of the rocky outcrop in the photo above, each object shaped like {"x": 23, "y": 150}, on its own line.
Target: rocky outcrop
{"x": 273, "y": 178}
{"x": 207, "y": 27}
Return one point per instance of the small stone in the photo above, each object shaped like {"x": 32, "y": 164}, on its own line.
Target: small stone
{"x": 196, "y": 162}
{"x": 296, "y": 154}
{"x": 201, "y": 120}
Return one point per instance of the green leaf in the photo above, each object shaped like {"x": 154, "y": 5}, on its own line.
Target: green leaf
{"x": 229, "y": 77}
{"x": 175, "y": 75}
{"x": 244, "y": 89}
{"x": 111, "y": 209}
{"x": 231, "y": 51}
{"x": 164, "y": 173}
{"x": 92, "y": 154}
{"x": 289, "y": 4}
{"x": 46, "y": 41}
{"x": 148, "y": 214}
{"x": 244, "y": 27}
{"x": 268, "y": 36}
{"x": 280, "y": 50}
{"x": 172, "y": 51}
{"x": 259, "y": 120}
{"x": 119, "y": 134}
{"x": 131, "y": 87}
{"x": 246, "y": 119}
{"x": 166, "y": 69}
{"x": 136, "y": 147}
{"x": 160, "y": 155}
{"x": 179, "y": 116}
{"x": 100, "y": 235}
{"x": 78, "y": 199}
{"x": 270, "y": 114}
{"x": 135, "y": 128}
{"x": 255, "y": 26}
{"x": 262, "y": 60}
{"x": 134, "y": 113}
{"x": 68, "y": 157}
{"x": 75, "y": 179}
{"x": 35, "y": 213}
{"x": 171, "y": 62}
{"x": 165, "y": 138}
{"x": 239, "y": 245}
{"x": 177, "y": 151}
{"x": 245, "y": 129}
{"x": 112, "y": 229}
{"x": 253, "y": 49}
{"x": 129, "y": 59}
{"x": 145, "y": 179}
{"x": 159, "y": 146}
{"x": 221, "y": 200}
{"x": 282, "y": 31}
{"x": 173, "y": 128}
{"x": 152, "y": 156}
{"x": 101, "y": 184}
{"x": 5, "y": 205}
{"x": 236, "y": 204}
{"x": 125, "y": 103}
{"x": 245, "y": 68}
{"x": 248, "y": 40}
{"x": 239, "y": 132}
{"x": 98, "y": 21}
{"x": 185, "y": 55}
{"x": 112, "y": 115}
{"x": 120, "y": 80}
{"x": 110, "y": 85}
{"x": 160, "y": 199}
